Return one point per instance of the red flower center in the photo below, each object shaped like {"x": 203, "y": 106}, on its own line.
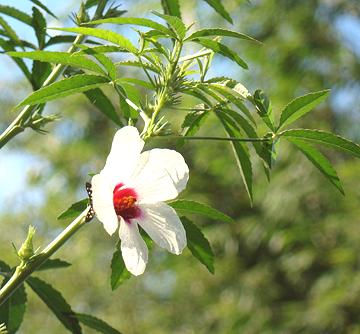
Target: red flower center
{"x": 125, "y": 202}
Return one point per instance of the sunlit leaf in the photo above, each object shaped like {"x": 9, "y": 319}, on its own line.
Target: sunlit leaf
{"x": 221, "y": 49}
{"x": 106, "y": 35}
{"x": 175, "y": 24}
{"x": 219, "y": 32}
{"x": 185, "y": 206}
{"x": 300, "y": 106}
{"x": 74, "y": 210}
{"x": 65, "y": 58}
{"x": 324, "y": 138}
{"x": 137, "y": 21}
{"x": 198, "y": 244}
{"x": 65, "y": 87}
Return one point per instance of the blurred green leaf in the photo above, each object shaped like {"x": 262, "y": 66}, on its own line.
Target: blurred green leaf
{"x": 106, "y": 35}
{"x": 220, "y": 9}
{"x": 39, "y": 25}
{"x": 300, "y": 106}
{"x": 46, "y": 9}
{"x": 319, "y": 161}
{"x": 56, "y": 303}
{"x": 6, "y": 46}
{"x": 241, "y": 153}
{"x": 198, "y": 244}
{"x": 16, "y": 14}
{"x": 53, "y": 264}
{"x": 175, "y": 24}
{"x": 119, "y": 273}
{"x": 65, "y": 58}
{"x": 74, "y": 210}
{"x": 185, "y": 206}
{"x": 10, "y": 32}
{"x": 171, "y": 7}
{"x": 325, "y": 138}
{"x": 95, "y": 323}
{"x": 103, "y": 103}
{"x": 219, "y": 32}
{"x": 137, "y": 21}
{"x": 65, "y": 87}
{"x": 221, "y": 49}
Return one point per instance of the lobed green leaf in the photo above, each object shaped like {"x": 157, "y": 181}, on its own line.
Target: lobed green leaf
{"x": 175, "y": 24}
{"x": 103, "y": 103}
{"x": 65, "y": 58}
{"x": 198, "y": 245}
{"x": 106, "y": 35}
{"x": 46, "y": 9}
{"x": 16, "y": 14}
{"x": 325, "y": 138}
{"x": 219, "y": 32}
{"x": 13, "y": 310}
{"x": 139, "y": 22}
{"x": 119, "y": 273}
{"x": 95, "y": 323}
{"x": 241, "y": 153}
{"x": 220, "y": 9}
{"x": 65, "y": 87}
{"x": 53, "y": 264}
{"x": 221, "y": 49}
{"x": 319, "y": 161}
{"x": 74, "y": 210}
{"x": 56, "y": 303}
{"x": 301, "y": 106}
{"x": 171, "y": 7}
{"x": 39, "y": 25}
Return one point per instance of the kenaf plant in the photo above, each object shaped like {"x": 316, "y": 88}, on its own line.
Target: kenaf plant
{"x": 147, "y": 100}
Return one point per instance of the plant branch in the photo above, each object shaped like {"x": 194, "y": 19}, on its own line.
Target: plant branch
{"x": 217, "y": 138}
{"x": 23, "y": 271}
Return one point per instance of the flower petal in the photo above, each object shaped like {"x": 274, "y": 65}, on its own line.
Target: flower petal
{"x": 163, "y": 225}
{"x": 161, "y": 175}
{"x": 133, "y": 248}
{"x": 124, "y": 155}
{"x": 102, "y": 193}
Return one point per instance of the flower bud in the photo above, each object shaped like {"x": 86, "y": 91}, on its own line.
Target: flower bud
{"x": 26, "y": 250}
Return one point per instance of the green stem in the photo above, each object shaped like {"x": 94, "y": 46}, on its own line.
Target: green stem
{"x": 17, "y": 125}
{"x": 23, "y": 271}
{"x": 162, "y": 98}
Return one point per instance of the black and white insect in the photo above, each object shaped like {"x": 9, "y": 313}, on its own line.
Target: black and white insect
{"x": 91, "y": 214}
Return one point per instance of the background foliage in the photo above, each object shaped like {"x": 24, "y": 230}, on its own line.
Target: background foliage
{"x": 288, "y": 264}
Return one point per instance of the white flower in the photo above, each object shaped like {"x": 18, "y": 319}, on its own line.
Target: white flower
{"x": 131, "y": 190}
